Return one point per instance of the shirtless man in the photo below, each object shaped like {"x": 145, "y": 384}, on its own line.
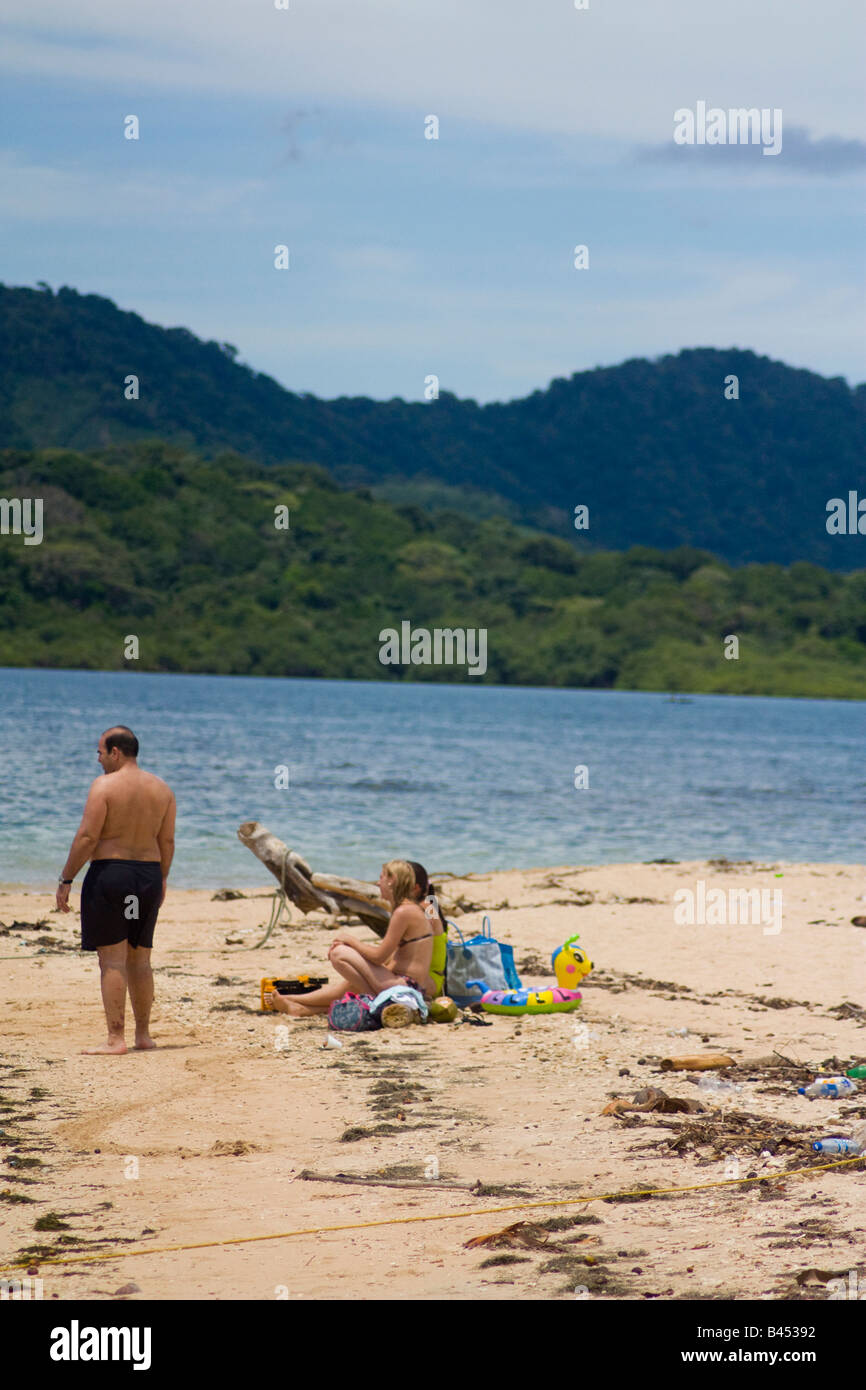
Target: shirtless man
{"x": 127, "y": 833}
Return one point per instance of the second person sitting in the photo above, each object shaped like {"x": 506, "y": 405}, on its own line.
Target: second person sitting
{"x": 403, "y": 956}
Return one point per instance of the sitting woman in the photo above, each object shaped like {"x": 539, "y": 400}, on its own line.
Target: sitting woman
{"x": 425, "y": 895}
{"x": 403, "y": 956}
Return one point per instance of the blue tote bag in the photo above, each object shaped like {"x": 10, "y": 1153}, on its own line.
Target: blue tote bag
{"x": 481, "y": 958}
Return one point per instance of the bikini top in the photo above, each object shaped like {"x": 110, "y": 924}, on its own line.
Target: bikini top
{"x": 431, "y": 912}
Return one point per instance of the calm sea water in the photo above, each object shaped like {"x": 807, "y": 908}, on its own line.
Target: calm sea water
{"x": 460, "y": 777}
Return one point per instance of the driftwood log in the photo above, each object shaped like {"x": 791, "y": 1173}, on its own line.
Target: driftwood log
{"x": 314, "y": 892}
{"x": 703, "y": 1061}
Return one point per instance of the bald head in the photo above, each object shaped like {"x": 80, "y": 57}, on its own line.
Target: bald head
{"x": 121, "y": 738}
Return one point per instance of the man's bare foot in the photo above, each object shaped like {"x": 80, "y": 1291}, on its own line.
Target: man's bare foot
{"x": 144, "y": 1044}
{"x": 115, "y": 1046}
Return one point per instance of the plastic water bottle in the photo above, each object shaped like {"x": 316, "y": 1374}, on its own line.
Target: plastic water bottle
{"x": 718, "y": 1083}
{"x": 828, "y": 1088}
{"x": 837, "y": 1146}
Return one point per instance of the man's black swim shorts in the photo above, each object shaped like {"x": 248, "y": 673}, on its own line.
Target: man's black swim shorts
{"x": 120, "y": 902}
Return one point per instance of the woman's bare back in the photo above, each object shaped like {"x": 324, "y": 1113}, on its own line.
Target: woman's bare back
{"x": 415, "y": 952}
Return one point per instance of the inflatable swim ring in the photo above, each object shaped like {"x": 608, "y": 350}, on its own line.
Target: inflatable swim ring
{"x": 530, "y": 1001}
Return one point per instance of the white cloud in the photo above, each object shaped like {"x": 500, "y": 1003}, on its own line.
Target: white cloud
{"x": 617, "y": 70}
{"x": 99, "y": 197}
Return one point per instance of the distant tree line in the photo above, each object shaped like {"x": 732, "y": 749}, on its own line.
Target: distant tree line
{"x": 188, "y": 555}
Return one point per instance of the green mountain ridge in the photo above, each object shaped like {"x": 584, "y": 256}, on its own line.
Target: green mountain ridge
{"x": 654, "y": 449}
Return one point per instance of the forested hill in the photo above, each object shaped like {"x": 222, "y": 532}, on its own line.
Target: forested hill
{"x": 149, "y": 542}
{"x": 654, "y": 449}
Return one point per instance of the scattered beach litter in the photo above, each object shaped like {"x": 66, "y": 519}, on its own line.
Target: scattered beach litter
{"x": 829, "y": 1088}
{"x": 718, "y": 1085}
{"x": 820, "y": 1276}
{"x": 848, "y": 1010}
{"x": 820, "y": 1284}
{"x": 842, "y": 1146}
{"x": 24, "y": 926}
{"x": 706, "y": 1061}
{"x": 735, "y": 1131}
{"x": 838, "y": 1147}
{"x": 520, "y": 1235}
{"x": 650, "y": 1098}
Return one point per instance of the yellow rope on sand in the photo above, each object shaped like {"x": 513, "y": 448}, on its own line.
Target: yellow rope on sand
{"x": 434, "y": 1216}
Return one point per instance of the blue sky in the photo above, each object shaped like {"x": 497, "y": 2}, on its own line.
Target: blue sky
{"x": 453, "y": 257}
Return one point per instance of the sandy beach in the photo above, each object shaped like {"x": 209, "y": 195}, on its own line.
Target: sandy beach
{"x": 208, "y": 1138}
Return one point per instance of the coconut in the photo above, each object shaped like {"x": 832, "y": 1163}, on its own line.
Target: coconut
{"x": 443, "y": 1010}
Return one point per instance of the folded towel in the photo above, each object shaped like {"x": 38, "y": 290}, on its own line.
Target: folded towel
{"x": 402, "y": 994}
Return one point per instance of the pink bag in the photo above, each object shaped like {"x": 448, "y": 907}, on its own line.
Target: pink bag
{"x": 351, "y": 1014}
